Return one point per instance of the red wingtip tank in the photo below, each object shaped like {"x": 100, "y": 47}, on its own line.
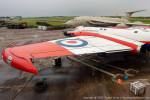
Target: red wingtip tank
{"x": 18, "y": 62}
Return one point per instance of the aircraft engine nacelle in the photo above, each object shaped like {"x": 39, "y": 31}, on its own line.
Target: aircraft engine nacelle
{"x": 68, "y": 34}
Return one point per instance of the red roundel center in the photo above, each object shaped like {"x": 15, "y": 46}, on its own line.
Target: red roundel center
{"x": 72, "y": 41}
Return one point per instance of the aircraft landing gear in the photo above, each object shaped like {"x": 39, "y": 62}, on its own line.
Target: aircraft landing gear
{"x": 57, "y": 62}
{"x": 41, "y": 86}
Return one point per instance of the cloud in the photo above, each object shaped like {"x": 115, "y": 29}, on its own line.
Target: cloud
{"x": 72, "y": 7}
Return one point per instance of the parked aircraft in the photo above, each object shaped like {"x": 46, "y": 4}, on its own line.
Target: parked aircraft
{"x": 95, "y": 21}
{"x": 85, "y": 40}
{"x": 104, "y": 21}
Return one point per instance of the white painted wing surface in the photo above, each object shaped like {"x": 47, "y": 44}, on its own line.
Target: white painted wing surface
{"x": 90, "y": 44}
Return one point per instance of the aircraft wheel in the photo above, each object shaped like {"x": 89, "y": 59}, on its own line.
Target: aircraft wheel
{"x": 41, "y": 86}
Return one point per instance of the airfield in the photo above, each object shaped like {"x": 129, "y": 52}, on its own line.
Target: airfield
{"x": 72, "y": 81}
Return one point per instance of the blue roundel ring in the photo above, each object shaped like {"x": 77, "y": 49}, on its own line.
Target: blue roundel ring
{"x": 83, "y": 43}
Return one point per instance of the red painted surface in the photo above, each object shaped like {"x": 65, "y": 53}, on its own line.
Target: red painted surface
{"x": 19, "y": 63}
{"x": 133, "y": 46}
{"x": 22, "y": 55}
{"x": 146, "y": 42}
{"x": 40, "y": 50}
{"x": 72, "y": 41}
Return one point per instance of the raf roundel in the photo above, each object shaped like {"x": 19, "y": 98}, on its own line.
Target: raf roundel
{"x": 72, "y": 42}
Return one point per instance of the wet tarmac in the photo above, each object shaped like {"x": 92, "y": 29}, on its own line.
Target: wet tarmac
{"x": 73, "y": 81}
{"x": 63, "y": 83}
{"x": 7, "y": 73}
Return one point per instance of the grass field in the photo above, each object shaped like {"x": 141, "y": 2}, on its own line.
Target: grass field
{"x": 60, "y": 20}
{"x": 144, "y": 20}
{"x": 54, "y": 21}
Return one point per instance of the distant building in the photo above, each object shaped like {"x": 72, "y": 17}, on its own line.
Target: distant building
{"x": 5, "y": 18}
{"x": 16, "y": 17}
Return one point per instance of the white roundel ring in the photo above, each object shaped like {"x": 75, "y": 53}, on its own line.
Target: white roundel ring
{"x": 72, "y": 42}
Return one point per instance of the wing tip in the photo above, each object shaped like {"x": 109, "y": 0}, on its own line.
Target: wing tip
{"x": 18, "y": 63}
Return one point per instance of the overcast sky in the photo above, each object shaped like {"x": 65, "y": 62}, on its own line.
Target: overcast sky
{"x": 72, "y": 7}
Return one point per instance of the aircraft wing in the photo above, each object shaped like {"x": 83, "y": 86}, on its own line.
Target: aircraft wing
{"x": 113, "y": 23}
{"x": 103, "y": 23}
{"x": 21, "y": 57}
